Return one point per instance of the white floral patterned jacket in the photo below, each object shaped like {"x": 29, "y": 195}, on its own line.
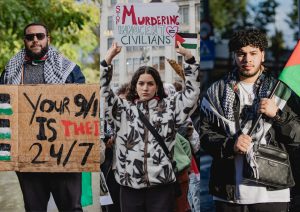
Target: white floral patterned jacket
{"x": 140, "y": 160}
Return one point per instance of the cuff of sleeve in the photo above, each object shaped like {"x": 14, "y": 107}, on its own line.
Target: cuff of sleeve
{"x": 227, "y": 148}
{"x": 103, "y": 63}
{"x": 279, "y": 117}
{"x": 192, "y": 60}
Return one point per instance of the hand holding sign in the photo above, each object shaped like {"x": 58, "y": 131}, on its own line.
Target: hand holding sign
{"x": 113, "y": 51}
{"x": 183, "y": 51}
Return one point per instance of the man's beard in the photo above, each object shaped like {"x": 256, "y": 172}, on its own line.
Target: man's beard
{"x": 36, "y": 56}
{"x": 247, "y": 74}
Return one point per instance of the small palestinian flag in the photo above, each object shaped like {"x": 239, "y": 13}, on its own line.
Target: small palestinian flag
{"x": 4, "y": 152}
{"x": 187, "y": 40}
{"x": 282, "y": 94}
{"x": 5, "y": 132}
{"x": 5, "y": 107}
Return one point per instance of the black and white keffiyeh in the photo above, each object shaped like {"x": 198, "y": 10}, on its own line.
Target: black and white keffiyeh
{"x": 262, "y": 83}
{"x": 218, "y": 107}
{"x": 56, "y": 68}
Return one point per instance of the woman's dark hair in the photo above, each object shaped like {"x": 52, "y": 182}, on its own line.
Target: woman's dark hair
{"x": 252, "y": 37}
{"x": 132, "y": 94}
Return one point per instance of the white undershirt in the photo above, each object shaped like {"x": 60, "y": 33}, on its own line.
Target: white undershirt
{"x": 246, "y": 93}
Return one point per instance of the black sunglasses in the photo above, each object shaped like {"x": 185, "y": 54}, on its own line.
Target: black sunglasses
{"x": 39, "y": 36}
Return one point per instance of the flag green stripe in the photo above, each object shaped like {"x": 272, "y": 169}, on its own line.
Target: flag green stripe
{"x": 189, "y": 46}
{"x": 6, "y": 111}
{"x": 4, "y": 158}
{"x": 5, "y": 136}
{"x": 291, "y": 76}
{"x": 283, "y": 92}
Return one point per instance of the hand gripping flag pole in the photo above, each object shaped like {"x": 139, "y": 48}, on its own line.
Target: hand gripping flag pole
{"x": 290, "y": 76}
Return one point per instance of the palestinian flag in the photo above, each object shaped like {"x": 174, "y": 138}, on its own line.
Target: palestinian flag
{"x": 5, "y": 132}
{"x": 290, "y": 75}
{"x": 282, "y": 94}
{"x": 5, "y": 107}
{"x": 187, "y": 40}
{"x": 194, "y": 169}
{"x": 4, "y": 152}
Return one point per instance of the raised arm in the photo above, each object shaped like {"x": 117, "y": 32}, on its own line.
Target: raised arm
{"x": 186, "y": 101}
{"x": 106, "y": 75}
{"x": 113, "y": 51}
{"x": 107, "y": 69}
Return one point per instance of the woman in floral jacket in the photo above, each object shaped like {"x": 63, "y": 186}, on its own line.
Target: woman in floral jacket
{"x": 142, "y": 169}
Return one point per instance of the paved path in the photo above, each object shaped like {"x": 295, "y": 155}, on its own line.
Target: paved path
{"x": 11, "y": 199}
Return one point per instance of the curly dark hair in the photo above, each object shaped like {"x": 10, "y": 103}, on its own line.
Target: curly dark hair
{"x": 253, "y": 37}
{"x": 132, "y": 94}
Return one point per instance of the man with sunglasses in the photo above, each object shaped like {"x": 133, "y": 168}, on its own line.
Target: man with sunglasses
{"x": 40, "y": 63}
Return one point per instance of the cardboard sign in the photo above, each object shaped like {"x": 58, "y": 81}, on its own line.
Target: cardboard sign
{"x": 152, "y": 24}
{"x": 49, "y": 128}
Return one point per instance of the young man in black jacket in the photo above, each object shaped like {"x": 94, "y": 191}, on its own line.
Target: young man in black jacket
{"x": 228, "y": 110}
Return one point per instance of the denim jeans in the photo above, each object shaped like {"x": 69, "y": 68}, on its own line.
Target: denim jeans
{"x": 194, "y": 193}
{"x": 207, "y": 203}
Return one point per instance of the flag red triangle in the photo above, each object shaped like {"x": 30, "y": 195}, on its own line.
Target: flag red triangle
{"x": 178, "y": 38}
{"x": 295, "y": 57}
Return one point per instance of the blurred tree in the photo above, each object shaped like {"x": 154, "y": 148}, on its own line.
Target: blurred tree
{"x": 293, "y": 19}
{"x": 227, "y": 16}
{"x": 73, "y": 29}
{"x": 277, "y": 49}
{"x": 263, "y": 18}
{"x": 263, "y": 14}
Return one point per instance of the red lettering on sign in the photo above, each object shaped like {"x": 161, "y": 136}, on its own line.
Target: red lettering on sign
{"x": 173, "y": 19}
{"x": 88, "y": 128}
{"x": 79, "y": 129}
{"x": 158, "y": 20}
{"x": 96, "y": 127}
{"x": 141, "y": 21}
{"x": 66, "y": 124}
{"x": 163, "y": 20}
{"x": 82, "y": 128}
{"x": 129, "y": 13}
{"x": 147, "y": 20}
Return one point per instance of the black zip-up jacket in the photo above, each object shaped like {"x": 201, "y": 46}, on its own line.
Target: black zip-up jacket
{"x": 216, "y": 142}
